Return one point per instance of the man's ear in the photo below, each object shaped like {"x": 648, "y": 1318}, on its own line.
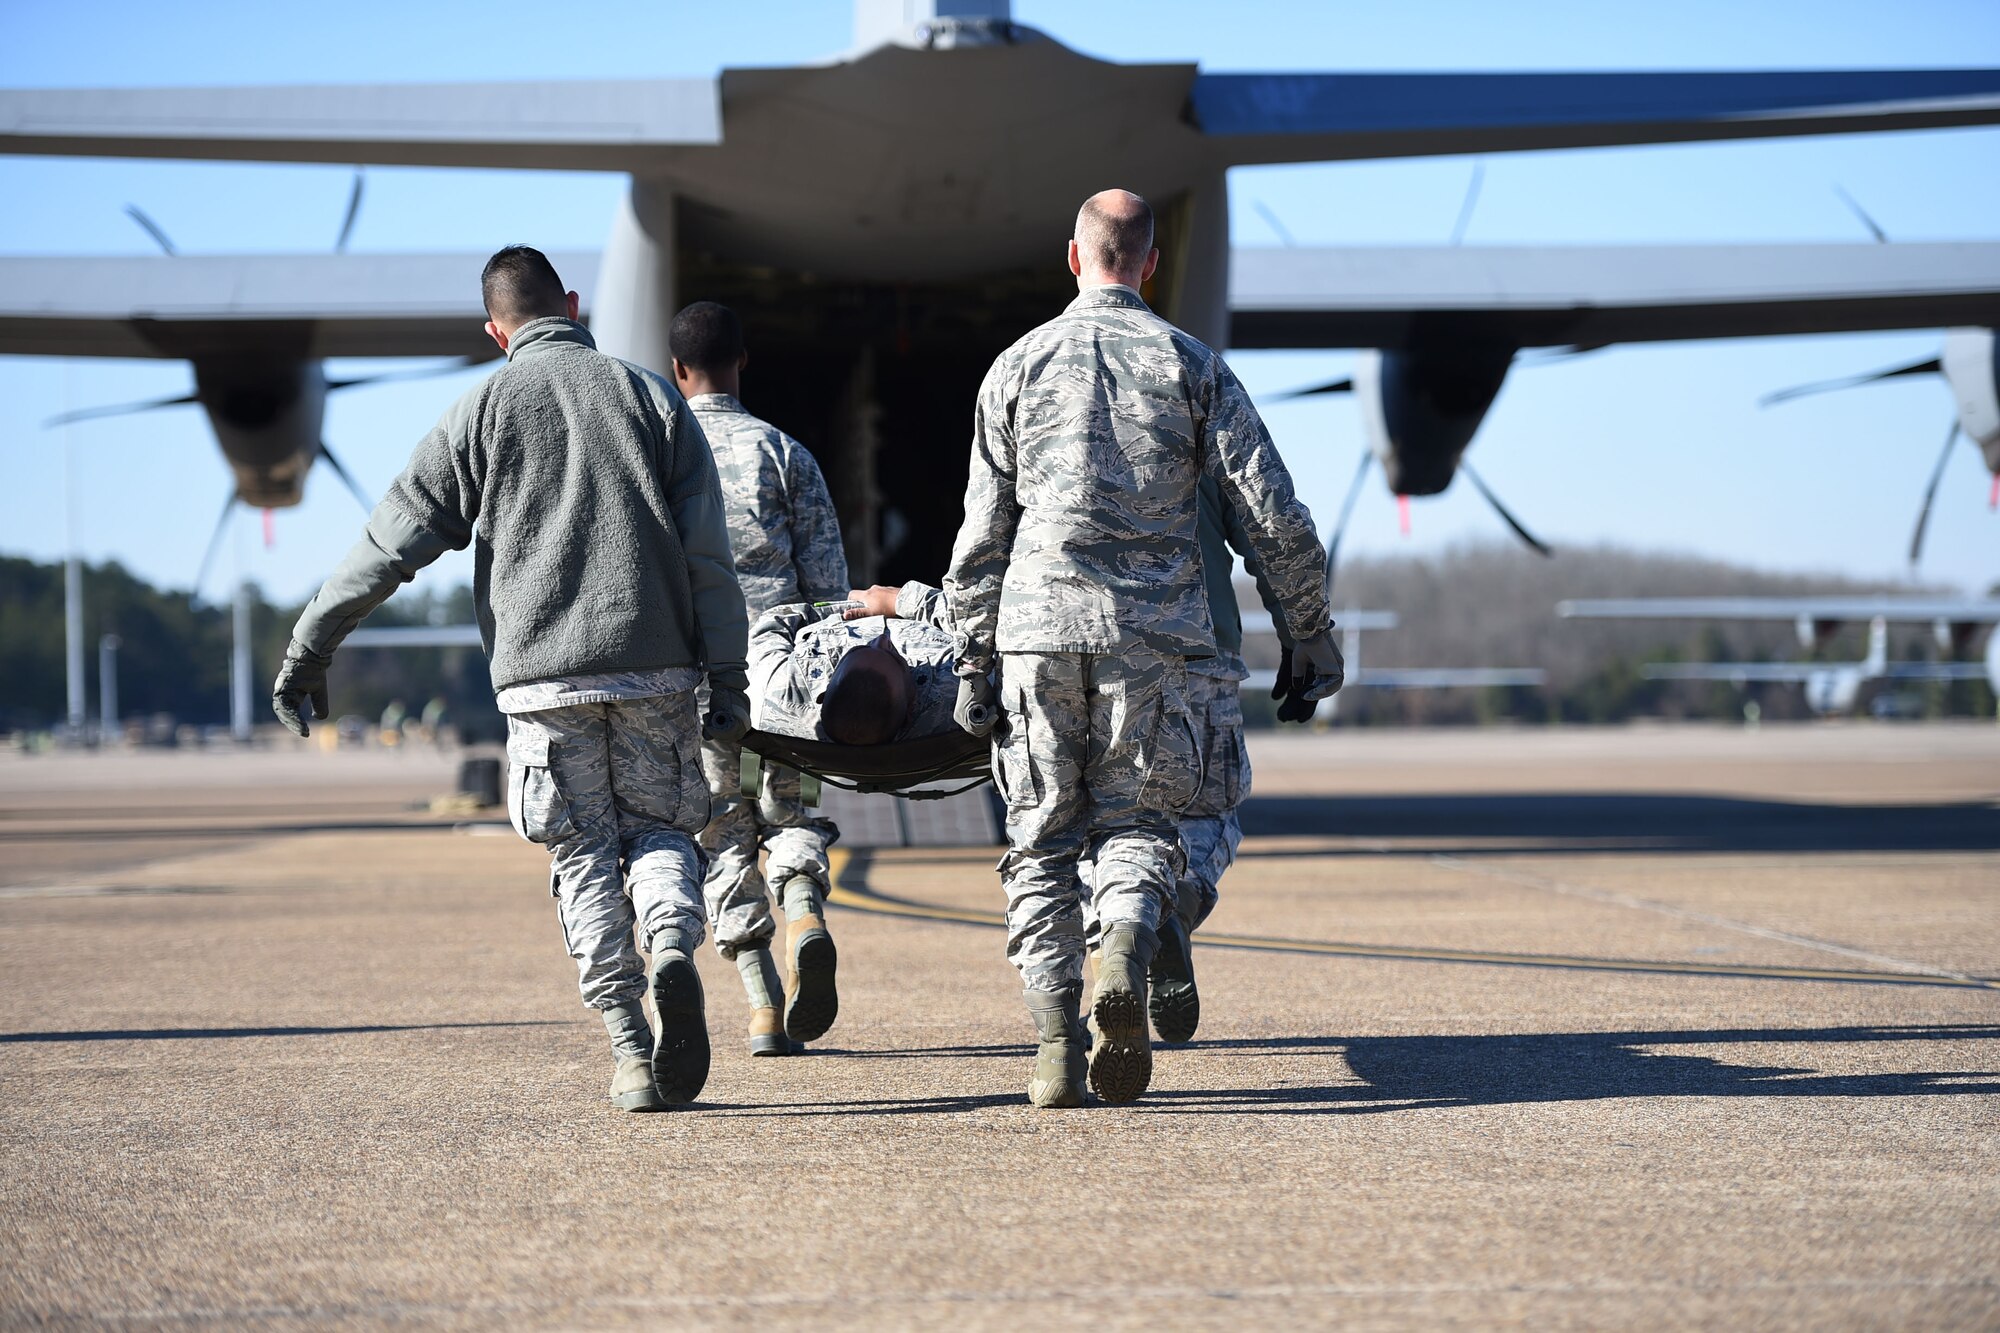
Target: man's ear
{"x": 575, "y": 304}
{"x": 677, "y": 370}
{"x": 1075, "y": 260}
{"x": 495, "y": 332}
{"x": 742, "y": 360}
{"x": 1152, "y": 262}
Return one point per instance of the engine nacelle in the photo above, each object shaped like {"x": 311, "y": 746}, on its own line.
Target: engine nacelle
{"x": 1421, "y": 407}
{"x": 268, "y": 419}
{"x": 1971, "y": 364}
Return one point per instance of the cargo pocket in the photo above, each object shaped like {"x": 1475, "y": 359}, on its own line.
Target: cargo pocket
{"x": 1227, "y": 780}
{"x": 695, "y": 803}
{"x": 1174, "y": 768}
{"x": 1013, "y": 772}
{"x": 535, "y": 801}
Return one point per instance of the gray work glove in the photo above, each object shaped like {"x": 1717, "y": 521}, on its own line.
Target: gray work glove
{"x": 302, "y": 677}
{"x": 1317, "y": 667}
{"x": 728, "y": 707}
{"x": 975, "y": 712}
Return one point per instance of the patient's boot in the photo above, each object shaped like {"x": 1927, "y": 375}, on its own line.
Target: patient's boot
{"x": 766, "y": 992}
{"x": 680, "y": 1056}
{"x": 812, "y": 1001}
{"x": 1121, "y": 1058}
{"x": 632, "y": 1086}
{"x": 1060, "y": 1058}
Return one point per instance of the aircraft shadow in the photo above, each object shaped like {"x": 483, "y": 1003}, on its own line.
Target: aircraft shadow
{"x": 1389, "y": 1074}
{"x": 1587, "y": 821}
{"x": 211, "y": 1034}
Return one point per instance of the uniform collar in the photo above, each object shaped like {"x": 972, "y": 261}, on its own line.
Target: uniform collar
{"x": 717, "y": 402}
{"x": 1110, "y": 294}
{"x": 546, "y": 332}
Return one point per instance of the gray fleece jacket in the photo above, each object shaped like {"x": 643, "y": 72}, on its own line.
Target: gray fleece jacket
{"x": 586, "y": 489}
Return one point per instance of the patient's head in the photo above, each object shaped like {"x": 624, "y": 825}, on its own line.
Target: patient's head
{"x": 869, "y": 697}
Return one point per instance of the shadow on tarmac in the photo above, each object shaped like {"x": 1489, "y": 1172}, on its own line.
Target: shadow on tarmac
{"x": 1419, "y": 1073}
{"x": 210, "y": 1034}
{"x": 1587, "y": 821}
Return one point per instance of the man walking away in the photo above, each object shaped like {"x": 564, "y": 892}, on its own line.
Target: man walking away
{"x": 786, "y": 540}
{"x": 1078, "y": 565}
{"x": 604, "y": 592}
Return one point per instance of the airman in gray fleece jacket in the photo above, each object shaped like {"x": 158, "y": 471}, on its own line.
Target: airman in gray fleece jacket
{"x": 605, "y": 593}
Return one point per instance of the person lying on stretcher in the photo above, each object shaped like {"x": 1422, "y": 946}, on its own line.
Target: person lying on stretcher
{"x": 874, "y": 669}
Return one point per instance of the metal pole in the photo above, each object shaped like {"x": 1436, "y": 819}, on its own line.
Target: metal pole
{"x": 108, "y": 730}
{"x": 239, "y": 664}
{"x": 72, "y": 599}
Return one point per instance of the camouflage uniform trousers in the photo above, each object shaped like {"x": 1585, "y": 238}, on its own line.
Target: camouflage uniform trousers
{"x": 1096, "y": 762}
{"x": 615, "y": 791}
{"x": 1210, "y": 830}
{"x": 739, "y": 827}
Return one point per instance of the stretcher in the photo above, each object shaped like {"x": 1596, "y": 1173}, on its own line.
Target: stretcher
{"x": 900, "y": 768}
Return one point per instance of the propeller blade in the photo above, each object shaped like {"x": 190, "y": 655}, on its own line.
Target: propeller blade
{"x": 340, "y": 470}
{"x": 1403, "y": 513}
{"x": 1854, "y": 206}
{"x": 91, "y": 413}
{"x": 1500, "y": 509}
{"x": 1346, "y": 508}
{"x": 1930, "y": 367}
{"x": 428, "y": 372}
{"x": 1471, "y": 199}
{"x": 1331, "y": 386}
{"x": 1271, "y": 219}
{"x": 138, "y": 215}
{"x": 1930, "y": 494}
{"x": 270, "y": 530}
{"x": 353, "y": 212}
{"x": 214, "y": 541}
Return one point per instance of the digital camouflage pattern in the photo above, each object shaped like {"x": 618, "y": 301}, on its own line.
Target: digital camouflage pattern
{"x": 783, "y": 530}
{"x": 1096, "y": 761}
{"x": 795, "y": 649}
{"x": 776, "y": 821}
{"x": 615, "y": 792}
{"x": 1090, "y": 437}
{"x": 1210, "y": 829}
{"x": 603, "y": 687}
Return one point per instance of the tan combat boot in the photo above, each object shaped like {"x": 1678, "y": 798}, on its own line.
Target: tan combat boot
{"x": 632, "y": 1086}
{"x": 760, "y": 983}
{"x": 1121, "y": 1057}
{"x": 812, "y": 1001}
{"x": 1060, "y": 1058}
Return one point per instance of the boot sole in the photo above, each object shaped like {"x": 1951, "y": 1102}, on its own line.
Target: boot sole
{"x": 814, "y": 1002}
{"x": 1121, "y": 1059}
{"x": 646, "y": 1099}
{"x": 772, "y": 1044}
{"x": 1061, "y": 1096}
{"x": 680, "y": 1059}
{"x": 1176, "y": 1007}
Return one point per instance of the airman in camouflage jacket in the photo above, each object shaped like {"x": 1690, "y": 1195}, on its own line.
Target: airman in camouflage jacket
{"x": 782, "y": 526}
{"x": 1090, "y": 437}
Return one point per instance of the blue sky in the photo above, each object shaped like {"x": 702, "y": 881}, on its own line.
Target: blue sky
{"x": 1660, "y": 447}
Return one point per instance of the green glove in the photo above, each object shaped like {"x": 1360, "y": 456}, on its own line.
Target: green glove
{"x": 975, "y": 712}
{"x": 302, "y": 677}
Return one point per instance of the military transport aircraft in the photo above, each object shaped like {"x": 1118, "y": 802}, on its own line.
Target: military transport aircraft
{"x": 1830, "y": 687}
{"x": 883, "y": 221}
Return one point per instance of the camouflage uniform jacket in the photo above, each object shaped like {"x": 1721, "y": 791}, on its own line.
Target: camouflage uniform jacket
{"x": 782, "y": 527}
{"x": 795, "y": 649}
{"x": 1089, "y": 439}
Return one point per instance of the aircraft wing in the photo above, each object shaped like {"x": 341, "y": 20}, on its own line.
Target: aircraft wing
{"x": 416, "y": 636}
{"x": 1263, "y": 118}
{"x": 582, "y": 125}
{"x": 1817, "y": 609}
{"x": 310, "y": 306}
{"x": 1780, "y": 672}
{"x": 1588, "y": 296}
{"x": 1419, "y": 678}
{"x": 1935, "y": 671}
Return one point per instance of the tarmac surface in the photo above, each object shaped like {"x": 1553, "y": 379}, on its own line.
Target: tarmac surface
{"x": 1568, "y": 1028}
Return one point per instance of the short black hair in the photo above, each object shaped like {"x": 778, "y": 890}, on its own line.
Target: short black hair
{"x": 863, "y": 706}
{"x": 519, "y": 284}
{"x": 706, "y": 336}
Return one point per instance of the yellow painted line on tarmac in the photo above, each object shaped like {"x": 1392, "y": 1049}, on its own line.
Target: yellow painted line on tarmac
{"x": 850, "y": 890}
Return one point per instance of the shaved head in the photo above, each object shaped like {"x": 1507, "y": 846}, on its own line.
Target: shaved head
{"x": 1114, "y": 233}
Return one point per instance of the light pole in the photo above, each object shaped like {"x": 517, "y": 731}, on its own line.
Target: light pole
{"x": 72, "y": 599}
{"x": 239, "y": 664}
{"x": 108, "y": 730}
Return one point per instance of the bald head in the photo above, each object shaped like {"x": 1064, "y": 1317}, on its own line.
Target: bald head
{"x": 1113, "y": 241}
